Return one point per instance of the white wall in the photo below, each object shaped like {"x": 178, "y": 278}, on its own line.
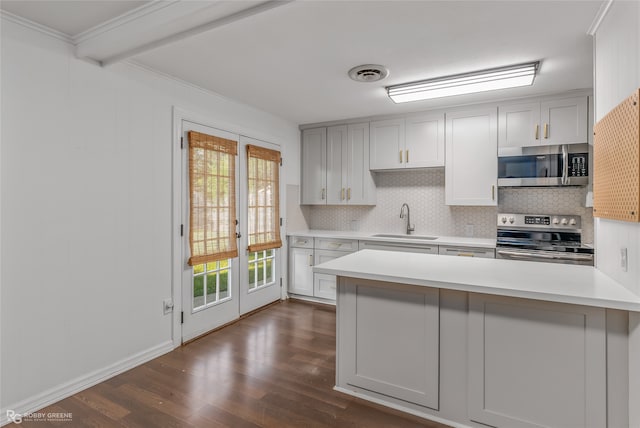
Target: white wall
{"x": 86, "y": 211}
{"x": 617, "y": 75}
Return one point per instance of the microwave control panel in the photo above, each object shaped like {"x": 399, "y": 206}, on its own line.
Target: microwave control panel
{"x": 578, "y": 165}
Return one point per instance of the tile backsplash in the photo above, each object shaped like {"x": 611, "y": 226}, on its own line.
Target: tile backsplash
{"x": 423, "y": 190}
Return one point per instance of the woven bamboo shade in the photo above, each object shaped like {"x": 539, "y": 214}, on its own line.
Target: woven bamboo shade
{"x": 212, "y": 198}
{"x": 263, "y": 173}
{"x": 616, "y": 181}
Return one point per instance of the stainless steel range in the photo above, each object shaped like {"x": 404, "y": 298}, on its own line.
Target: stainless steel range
{"x": 542, "y": 238}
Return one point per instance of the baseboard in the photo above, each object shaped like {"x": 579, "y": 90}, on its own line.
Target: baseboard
{"x": 401, "y": 408}
{"x": 76, "y": 385}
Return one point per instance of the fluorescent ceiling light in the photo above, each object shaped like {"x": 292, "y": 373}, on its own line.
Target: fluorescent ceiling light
{"x": 468, "y": 83}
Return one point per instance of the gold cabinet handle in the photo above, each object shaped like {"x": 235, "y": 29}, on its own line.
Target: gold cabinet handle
{"x": 342, "y": 194}
{"x": 465, "y": 254}
{"x": 349, "y": 194}
{"x": 310, "y": 259}
{"x": 406, "y": 156}
{"x": 400, "y": 156}
{"x": 537, "y": 132}
{"x": 493, "y": 192}
{"x": 323, "y": 193}
{"x": 546, "y": 131}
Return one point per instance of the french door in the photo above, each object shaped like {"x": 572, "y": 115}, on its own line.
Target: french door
{"x": 260, "y": 270}
{"x": 214, "y": 294}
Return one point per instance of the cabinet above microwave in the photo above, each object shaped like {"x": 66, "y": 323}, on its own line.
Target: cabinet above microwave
{"x": 547, "y": 122}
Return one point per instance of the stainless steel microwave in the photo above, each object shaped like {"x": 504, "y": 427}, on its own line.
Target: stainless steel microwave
{"x": 562, "y": 165}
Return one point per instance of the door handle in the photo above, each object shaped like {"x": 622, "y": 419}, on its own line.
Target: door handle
{"x": 310, "y": 259}
{"x": 323, "y": 193}
{"x": 342, "y": 194}
{"x": 406, "y": 156}
{"x": 400, "y": 156}
{"x": 349, "y": 194}
{"x": 493, "y": 192}
{"x": 546, "y": 131}
{"x": 537, "y": 132}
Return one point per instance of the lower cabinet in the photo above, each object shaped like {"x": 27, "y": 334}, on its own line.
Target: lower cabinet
{"x": 301, "y": 271}
{"x": 398, "y": 246}
{"x": 485, "y": 253}
{"x": 472, "y": 358}
{"x": 324, "y": 286}
{"x": 534, "y": 363}
{"x": 391, "y": 341}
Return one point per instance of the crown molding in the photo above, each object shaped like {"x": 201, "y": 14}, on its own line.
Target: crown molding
{"x": 597, "y": 20}
{"x": 132, "y": 15}
{"x": 17, "y": 19}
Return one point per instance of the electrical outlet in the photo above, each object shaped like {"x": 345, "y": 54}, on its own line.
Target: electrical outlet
{"x": 167, "y": 306}
{"x": 623, "y": 259}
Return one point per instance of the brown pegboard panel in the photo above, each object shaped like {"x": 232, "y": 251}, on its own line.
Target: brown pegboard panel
{"x": 616, "y": 180}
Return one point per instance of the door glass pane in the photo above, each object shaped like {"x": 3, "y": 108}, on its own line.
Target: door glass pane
{"x": 261, "y": 268}
{"x": 211, "y": 283}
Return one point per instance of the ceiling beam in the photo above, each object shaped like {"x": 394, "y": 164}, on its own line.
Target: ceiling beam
{"x": 175, "y": 21}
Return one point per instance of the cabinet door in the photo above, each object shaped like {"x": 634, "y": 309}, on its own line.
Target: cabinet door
{"x": 387, "y": 144}
{"x": 361, "y": 189}
{"x": 324, "y": 286}
{"x": 389, "y": 340}
{"x": 564, "y": 121}
{"x": 301, "y": 271}
{"x": 471, "y": 157}
{"x": 534, "y": 364}
{"x": 314, "y": 166}
{"x": 424, "y": 144}
{"x": 336, "y": 165}
{"x": 519, "y": 125}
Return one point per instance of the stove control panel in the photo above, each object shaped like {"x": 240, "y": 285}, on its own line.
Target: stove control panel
{"x": 539, "y": 221}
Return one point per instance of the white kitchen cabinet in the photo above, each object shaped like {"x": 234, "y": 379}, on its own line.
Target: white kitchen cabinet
{"x": 301, "y": 265}
{"x": 555, "y": 121}
{"x": 534, "y": 363}
{"x": 565, "y": 120}
{"x": 424, "y": 143}
{"x": 314, "y": 166}
{"x": 386, "y": 148}
{"x": 399, "y": 246}
{"x": 335, "y": 166}
{"x": 389, "y": 341}
{"x": 349, "y": 181}
{"x": 412, "y": 142}
{"x": 471, "y": 165}
{"x": 324, "y": 286}
{"x": 484, "y": 253}
{"x": 361, "y": 189}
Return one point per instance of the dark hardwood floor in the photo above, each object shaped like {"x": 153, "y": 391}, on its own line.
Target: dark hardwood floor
{"x": 275, "y": 368}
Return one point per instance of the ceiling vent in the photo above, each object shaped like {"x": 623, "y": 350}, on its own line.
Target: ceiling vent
{"x": 368, "y": 73}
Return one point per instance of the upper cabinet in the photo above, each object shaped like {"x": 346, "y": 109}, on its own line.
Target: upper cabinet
{"x": 335, "y": 166}
{"x": 556, "y": 121}
{"x": 471, "y": 158}
{"x": 412, "y": 142}
{"x": 314, "y": 166}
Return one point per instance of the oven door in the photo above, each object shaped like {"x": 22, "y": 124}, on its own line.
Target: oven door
{"x": 544, "y": 256}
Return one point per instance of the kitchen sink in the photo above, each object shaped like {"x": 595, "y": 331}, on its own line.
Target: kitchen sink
{"x": 397, "y": 236}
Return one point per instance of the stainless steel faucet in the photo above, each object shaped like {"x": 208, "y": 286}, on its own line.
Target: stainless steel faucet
{"x": 410, "y": 228}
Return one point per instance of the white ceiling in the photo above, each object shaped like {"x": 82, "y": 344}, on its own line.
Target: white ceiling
{"x": 70, "y": 17}
{"x": 293, "y": 60}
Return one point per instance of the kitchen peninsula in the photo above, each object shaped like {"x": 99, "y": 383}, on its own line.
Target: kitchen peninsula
{"x": 470, "y": 341}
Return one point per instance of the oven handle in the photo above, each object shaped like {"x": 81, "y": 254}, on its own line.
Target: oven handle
{"x": 523, "y": 254}
{"x": 565, "y": 164}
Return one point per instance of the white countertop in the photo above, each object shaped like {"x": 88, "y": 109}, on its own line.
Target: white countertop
{"x": 582, "y": 285}
{"x": 368, "y": 236}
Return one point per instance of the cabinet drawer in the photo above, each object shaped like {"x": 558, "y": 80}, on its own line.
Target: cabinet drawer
{"x": 487, "y": 253}
{"x": 349, "y": 245}
{"x": 395, "y": 246}
{"x": 324, "y": 286}
{"x": 301, "y": 242}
